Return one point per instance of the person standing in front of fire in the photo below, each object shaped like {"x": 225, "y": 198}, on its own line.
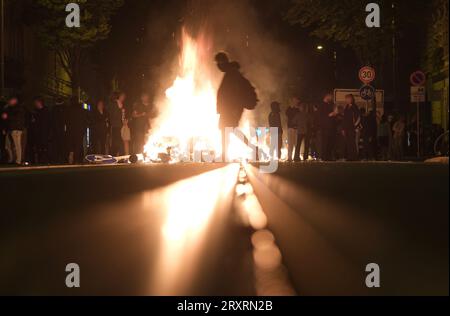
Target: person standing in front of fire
{"x": 235, "y": 93}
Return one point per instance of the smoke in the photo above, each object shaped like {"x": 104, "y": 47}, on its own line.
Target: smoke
{"x": 236, "y": 27}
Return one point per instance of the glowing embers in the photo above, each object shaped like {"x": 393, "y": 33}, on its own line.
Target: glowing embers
{"x": 271, "y": 277}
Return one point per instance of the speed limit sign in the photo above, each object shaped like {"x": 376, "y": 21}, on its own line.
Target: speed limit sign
{"x": 367, "y": 74}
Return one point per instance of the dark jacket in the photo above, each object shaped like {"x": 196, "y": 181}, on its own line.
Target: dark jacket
{"x": 228, "y": 95}
{"x": 291, "y": 114}
{"x": 77, "y": 121}
{"x": 16, "y": 117}
{"x": 116, "y": 115}
{"x": 40, "y": 126}
{"x": 303, "y": 122}
{"x": 325, "y": 121}
{"x": 141, "y": 123}
{"x": 99, "y": 123}
{"x": 275, "y": 119}
{"x": 352, "y": 118}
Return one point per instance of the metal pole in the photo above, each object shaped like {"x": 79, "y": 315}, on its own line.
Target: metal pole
{"x": 394, "y": 55}
{"x": 418, "y": 129}
{"x": 2, "y": 49}
{"x": 335, "y": 66}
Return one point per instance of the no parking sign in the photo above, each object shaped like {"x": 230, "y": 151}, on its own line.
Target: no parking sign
{"x": 418, "y": 78}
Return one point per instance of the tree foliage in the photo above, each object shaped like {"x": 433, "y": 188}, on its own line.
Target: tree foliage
{"x": 48, "y": 19}
{"x": 343, "y": 22}
{"x": 436, "y": 54}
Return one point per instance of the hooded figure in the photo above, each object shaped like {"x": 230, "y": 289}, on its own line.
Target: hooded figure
{"x": 275, "y": 121}
{"x": 228, "y": 95}
{"x": 235, "y": 93}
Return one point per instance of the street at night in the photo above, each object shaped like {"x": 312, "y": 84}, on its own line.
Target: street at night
{"x": 176, "y": 230}
{"x": 221, "y": 156}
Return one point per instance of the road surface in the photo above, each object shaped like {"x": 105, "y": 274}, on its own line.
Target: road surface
{"x": 216, "y": 229}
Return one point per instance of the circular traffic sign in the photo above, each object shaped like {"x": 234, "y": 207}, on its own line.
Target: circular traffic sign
{"x": 367, "y": 74}
{"x": 418, "y": 78}
{"x": 367, "y": 93}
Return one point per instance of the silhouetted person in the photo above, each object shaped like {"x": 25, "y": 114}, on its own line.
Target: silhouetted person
{"x": 340, "y": 135}
{"x": 384, "y": 135}
{"x": 118, "y": 120}
{"x": 142, "y": 112}
{"x": 327, "y": 114}
{"x": 352, "y": 120}
{"x": 369, "y": 134}
{"x": 58, "y": 136}
{"x": 302, "y": 121}
{"x": 15, "y": 117}
{"x": 398, "y": 138}
{"x": 315, "y": 132}
{"x": 291, "y": 114}
{"x": 275, "y": 121}
{"x": 76, "y": 129}
{"x": 3, "y": 133}
{"x": 39, "y": 132}
{"x": 372, "y": 127}
{"x": 100, "y": 128}
{"x": 235, "y": 93}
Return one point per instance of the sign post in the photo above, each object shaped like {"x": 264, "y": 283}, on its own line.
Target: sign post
{"x": 367, "y": 93}
{"x": 418, "y": 95}
{"x": 366, "y": 75}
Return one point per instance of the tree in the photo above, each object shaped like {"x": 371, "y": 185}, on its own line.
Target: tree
{"x": 70, "y": 44}
{"x": 436, "y": 53}
{"x": 344, "y": 22}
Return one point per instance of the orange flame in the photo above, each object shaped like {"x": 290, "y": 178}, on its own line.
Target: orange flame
{"x": 189, "y": 112}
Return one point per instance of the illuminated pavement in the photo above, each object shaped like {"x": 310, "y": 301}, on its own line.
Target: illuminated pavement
{"x": 188, "y": 229}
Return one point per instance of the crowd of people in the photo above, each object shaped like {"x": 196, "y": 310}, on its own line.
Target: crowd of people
{"x": 323, "y": 132}
{"x": 60, "y": 135}
{"x": 330, "y": 132}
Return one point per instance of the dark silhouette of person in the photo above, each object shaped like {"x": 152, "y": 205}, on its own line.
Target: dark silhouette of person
{"x": 141, "y": 115}
{"x": 100, "y": 128}
{"x": 228, "y": 94}
{"x": 229, "y": 99}
{"x": 3, "y": 133}
{"x": 352, "y": 120}
{"x": 39, "y": 132}
{"x": 76, "y": 130}
{"x": 275, "y": 121}
{"x": 118, "y": 116}
{"x": 58, "y": 133}
{"x": 303, "y": 123}
{"x": 327, "y": 114}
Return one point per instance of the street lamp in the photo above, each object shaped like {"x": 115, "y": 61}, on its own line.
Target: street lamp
{"x": 321, "y": 48}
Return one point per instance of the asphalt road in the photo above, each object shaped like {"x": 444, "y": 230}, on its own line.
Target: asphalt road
{"x": 333, "y": 219}
{"x": 180, "y": 230}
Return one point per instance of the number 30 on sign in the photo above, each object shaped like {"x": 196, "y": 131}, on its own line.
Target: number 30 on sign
{"x": 367, "y": 74}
